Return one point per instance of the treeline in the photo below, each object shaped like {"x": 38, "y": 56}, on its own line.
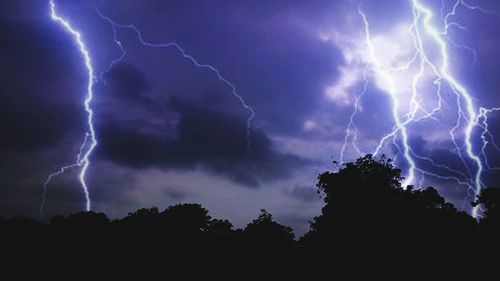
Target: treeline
{"x": 369, "y": 227}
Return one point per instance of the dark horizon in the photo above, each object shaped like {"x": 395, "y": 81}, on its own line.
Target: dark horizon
{"x": 369, "y": 227}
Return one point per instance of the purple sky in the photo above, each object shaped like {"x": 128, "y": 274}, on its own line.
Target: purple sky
{"x": 171, "y": 132}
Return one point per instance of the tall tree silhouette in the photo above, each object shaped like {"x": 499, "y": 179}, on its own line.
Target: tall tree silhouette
{"x": 370, "y": 221}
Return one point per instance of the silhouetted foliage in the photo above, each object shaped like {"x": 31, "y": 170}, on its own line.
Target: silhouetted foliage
{"x": 143, "y": 218}
{"x": 219, "y": 227}
{"x": 489, "y": 203}
{"x": 489, "y": 200}
{"x": 370, "y": 220}
{"x": 264, "y": 231}
{"x": 369, "y": 227}
{"x": 87, "y": 221}
{"x": 184, "y": 219}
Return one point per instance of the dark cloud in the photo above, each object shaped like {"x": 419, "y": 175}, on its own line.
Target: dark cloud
{"x": 126, "y": 81}
{"x": 204, "y": 138}
{"x": 29, "y": 123}
{"x": 141, "y": 131}
{"x": 264, "y": 49}
{"x": 36, "y": 107}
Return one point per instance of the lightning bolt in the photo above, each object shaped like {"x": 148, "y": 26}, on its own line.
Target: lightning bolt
{"x": 90, "y": 140}
{"x": 486, "y": 135}
{"x": 385, "y": 74}
{"x": 422, "y": 30}
{"x": 469, "y": 118}
{"x": 193, "y": 60}
{"x": 351, "y": 131}
{"x": 458, "y": 89}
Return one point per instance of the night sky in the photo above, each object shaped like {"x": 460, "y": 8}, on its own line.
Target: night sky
{"x": 171, "y": 132}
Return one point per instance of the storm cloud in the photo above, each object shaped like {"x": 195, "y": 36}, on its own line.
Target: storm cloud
{"x": 169, "y": 131}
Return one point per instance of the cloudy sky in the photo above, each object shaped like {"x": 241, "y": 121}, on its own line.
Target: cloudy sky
{"x": 170, "y": 131}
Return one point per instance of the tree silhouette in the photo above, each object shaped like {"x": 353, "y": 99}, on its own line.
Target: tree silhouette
{"x": 264, "y": 230}
{"x": 88, "y": 221}
{"x": 370, "y": 227}
{"x": 220, "y": 227}
{"x": 370, "y": 221}
{"x": 489, "y": 199}
{"x": 184, "y": 219}
{"x": 143, "y": 219}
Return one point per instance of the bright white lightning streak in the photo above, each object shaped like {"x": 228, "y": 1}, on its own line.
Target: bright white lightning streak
{"x": 483, "y": 114}
{"x": 386, "y": 76}
{"x": 194, "y": 61}
{"x": 422, "y": 17}
{"x": 90, "y": 141}
{"x": 61, "y": 171}
{"x": 460, "y": 90}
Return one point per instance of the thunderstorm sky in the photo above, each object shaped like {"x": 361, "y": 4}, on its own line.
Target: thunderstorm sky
{"x": 171, "y": 129}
